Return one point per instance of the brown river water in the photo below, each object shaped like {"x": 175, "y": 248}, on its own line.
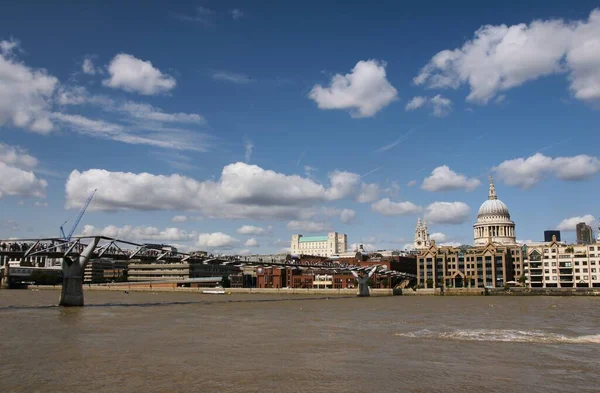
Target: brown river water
{"x": 178, "y": 342}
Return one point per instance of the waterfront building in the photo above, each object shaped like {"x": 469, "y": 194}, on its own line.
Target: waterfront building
{"x": 493, "y": 221}
{"x": 558, "y": 265}
{"x": 550, "y": 235}
{"x": 489, "y": 266}
{"x": 422, "y": 240}
{"x": 139, "y": 270}
{"x": 102, "y": 270}
{"x": 325, "y": 246}
{"x": 585, "y": 234}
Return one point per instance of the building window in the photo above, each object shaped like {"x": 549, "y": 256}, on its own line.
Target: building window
{"x": 554, "y": 278}
{"x": 553, "y": 263}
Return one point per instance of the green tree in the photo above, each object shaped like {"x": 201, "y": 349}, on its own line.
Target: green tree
{"x": 226, "y": 282}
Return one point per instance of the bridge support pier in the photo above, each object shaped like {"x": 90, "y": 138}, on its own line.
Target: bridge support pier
{"x": 5, "y": 281}
{"x": 363, "y": 282}
{"x": 71, "y": 294}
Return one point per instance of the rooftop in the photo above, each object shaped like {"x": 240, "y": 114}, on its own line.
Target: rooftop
{"x": 306, "y": 239}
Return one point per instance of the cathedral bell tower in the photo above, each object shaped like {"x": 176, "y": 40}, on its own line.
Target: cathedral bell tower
{"x": 422, "y": 239}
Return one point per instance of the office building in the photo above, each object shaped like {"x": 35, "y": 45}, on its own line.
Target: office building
{"x": 585, "y": 234}
{"x": 551, "y": 235}
{"x": 324, "y": 246}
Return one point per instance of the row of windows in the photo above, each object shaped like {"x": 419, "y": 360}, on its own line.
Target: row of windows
{"x": 576, "y": 278}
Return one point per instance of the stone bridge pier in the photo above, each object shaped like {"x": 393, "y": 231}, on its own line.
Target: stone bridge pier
{"x": 73, "y": 271}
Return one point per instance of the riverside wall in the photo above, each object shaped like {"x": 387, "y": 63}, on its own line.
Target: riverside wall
{"x": 157, "y": 287}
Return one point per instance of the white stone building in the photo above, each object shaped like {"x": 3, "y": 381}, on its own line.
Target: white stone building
{"x": 325, "y": 246}
{"x": 558, "y": 265}
{"x": 422, "y": 239}
{"x": 493, "y": 221}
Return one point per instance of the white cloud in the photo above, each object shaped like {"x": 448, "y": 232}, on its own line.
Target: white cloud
{"x": 232, "y": 77}
{"x": 243, "y": 191}
{"x": 443, "y": 179}
{"x": 368, "y": 193}
{"x": 451, "y": 244}
{"x": 347, "y": 215}
{"x": 88, "y": 66}
{"x": 248, "y": 146}
{"x": 16, "y": 156}
{"x": 388, "y": 208}
{"x": 140, "y": 233}
{"x": 236, "y": 14}
{"x": 216, "y": 240}
{"x": 134, "y": 75}
{"x": 148, "y": 112}
{"x": 415, "y": 103}
{"x": 343, "y": 184}
{"x": 18, "y": 182}
{"x": 364, "y": 91}
{"x": 441, "y": 106}
{"x": 252, "y": 242}
{"x": 569, "y": 224}
{"x": 253, "y": 230}
{"x": 447, "y": 212}
{"x": 439, "y": 237}
{"x": 40, "y": 204}
{"x": 308, "y": 226}
{"x": 203, "y": 16}
{"x": 408, "y": 247}
{"x": 25, "y": 93}
{"x": 411, "y": 183}
{"x": 501, "y": 57}
{"x": 179, "y": 219}
{"x": 178, "y": 139}
{"x": 368, "y": 247}
{"x": 526, "y": 172}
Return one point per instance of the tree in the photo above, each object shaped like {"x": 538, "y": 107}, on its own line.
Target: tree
{"x": 523, "y": 279}
{"x": 429, "y": 283}
{"x": 225, "y": 282}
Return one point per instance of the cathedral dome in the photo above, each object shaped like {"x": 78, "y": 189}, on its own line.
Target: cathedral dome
{"x": 493, "y": 207}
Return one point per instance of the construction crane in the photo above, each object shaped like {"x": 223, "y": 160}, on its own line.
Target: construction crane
{"x": 85, "y": 206}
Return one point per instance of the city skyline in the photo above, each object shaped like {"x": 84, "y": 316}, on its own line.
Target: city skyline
{"x": 209, "y": 131}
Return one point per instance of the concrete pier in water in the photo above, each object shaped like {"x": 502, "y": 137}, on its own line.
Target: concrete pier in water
{"x": 71, "y": 294}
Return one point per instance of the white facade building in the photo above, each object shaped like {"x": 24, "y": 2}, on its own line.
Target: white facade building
{"x": 493, "y": 221}
{"x": 558, "y": 265}
{"x": 325, "y": 246}
{"x": 422, "y": 239}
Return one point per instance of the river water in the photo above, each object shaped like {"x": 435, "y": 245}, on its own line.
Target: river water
{"x": 176, "y": 342}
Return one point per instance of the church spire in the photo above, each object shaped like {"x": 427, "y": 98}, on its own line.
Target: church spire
{"x": 492, "y": 193}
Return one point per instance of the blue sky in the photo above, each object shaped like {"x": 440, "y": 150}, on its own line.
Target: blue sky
{"x": 297, "y": 118}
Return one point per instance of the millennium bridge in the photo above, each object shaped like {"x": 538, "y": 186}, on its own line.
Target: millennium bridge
{"x": 21, "y": 257}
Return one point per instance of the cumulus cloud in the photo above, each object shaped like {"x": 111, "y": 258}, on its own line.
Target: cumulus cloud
{"x": 25, "y": 93}
{"x": 252, "y": 242}
{"x": 253, "y": 230}
{"x": 19, "y": 182}
{"x": 308, "y": 226}
{"x": 501, "y": 57}
{"x": 364, "y": 91}
{"x": 526, "y": 172}
{"x": 411, "y": 183}
{"x": 16, "y": 156}
{"x": 442, "y": 106}
{"x": 447, "y": 213}
{"x": 415, "y": 103}
{"x": 137, "y": 76}
{"x": 368, "y": 193}
{"x": 216, "y": 240}
{"x": 179, "y": 219}
{"x": 443, "y": 179}
{"x": 569, "y": 224}
{"x": 140, "y": 233}
{"x": 16, "y": 175}
{"x": 88, "y": 66}
{"x": 439, "y": 237}
{"x": 388, "y": 208}
{"x": 347, "y": 215}
{"x": 243, "y": 191}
